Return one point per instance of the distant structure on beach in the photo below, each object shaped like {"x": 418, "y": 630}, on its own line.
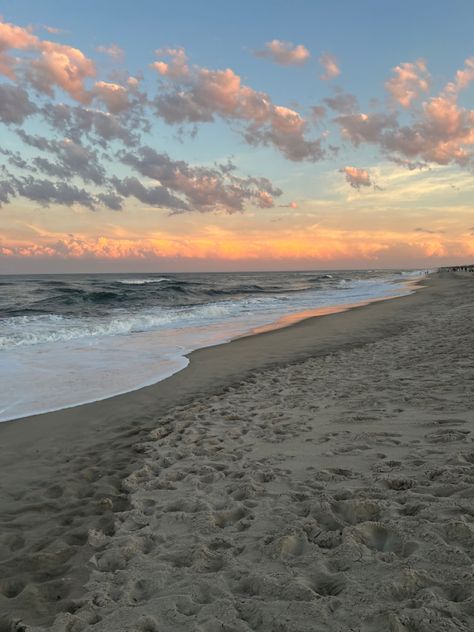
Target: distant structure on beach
{"x": 468, "y": 268}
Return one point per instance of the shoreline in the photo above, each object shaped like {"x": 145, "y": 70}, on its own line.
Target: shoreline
{"x": 90, "y": 449}
{"x": 286, "y": 320}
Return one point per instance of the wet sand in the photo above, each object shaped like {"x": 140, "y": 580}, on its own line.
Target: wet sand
{"x": 317, "y": 477}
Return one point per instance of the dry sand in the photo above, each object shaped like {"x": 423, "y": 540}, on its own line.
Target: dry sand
{"x": 315, "y": 478}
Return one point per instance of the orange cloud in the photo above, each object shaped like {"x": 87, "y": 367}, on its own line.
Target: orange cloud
{"x": 314, "y": 243}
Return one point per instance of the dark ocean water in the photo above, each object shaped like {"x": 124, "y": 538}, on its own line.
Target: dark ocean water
{"x": 77, "y": 338}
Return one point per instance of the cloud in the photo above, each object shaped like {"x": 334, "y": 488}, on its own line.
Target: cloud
{"x": 13, "y": 37}
{"x": 463, "y": 78}
{"x": 7, "y": 191}
{"x": 15, "y": 158}
{"x": 318, "y": 112}
{"x": 46, "y": 192}
{"x": 427, "y": 231}
{"x": 177, "y": 66}
{"x": 75, "y": 160}
{"x": 15, "y": 104}
{"x": 102, "y": 127}
{"x": 55, "y": 65}
{"x": 122, "y": 99}
{"x": 366, "y": 128}
{"x": 111, "y": 200}
{"x": 442, "y": 132}
{"x": 182, "y": 187}
{"x": 411, "y": 165}
{"x": 154, "y": 196}
{"x": 285, "y": 53}
{"x": 113, "y": 51}
{"x": 51, "y": 29}
{"x": 72, "y": 158}
{"x": 114, "y": 96}
{"x": 199, "y": 95}
{"x": 203, "y": 189}
{"x": 312, "y": 243}
{"x": 342, "y": 102}
{"x": 330, "y": 66}
{"x": 356, "y": 177}
{"x": 63, "y": 66}
{"x": 409, "y": 82}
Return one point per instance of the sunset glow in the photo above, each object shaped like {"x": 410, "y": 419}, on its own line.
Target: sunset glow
{"x": 146, "y": 153}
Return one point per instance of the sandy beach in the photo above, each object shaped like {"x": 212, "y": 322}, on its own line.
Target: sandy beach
{"x": 313, "y": 478}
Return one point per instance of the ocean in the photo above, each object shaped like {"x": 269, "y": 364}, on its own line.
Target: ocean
{"x": 72, "y": 339}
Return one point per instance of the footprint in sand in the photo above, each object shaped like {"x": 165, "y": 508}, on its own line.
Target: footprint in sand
{"x": 447, "y": 435}
{"x": 382, "y": 539}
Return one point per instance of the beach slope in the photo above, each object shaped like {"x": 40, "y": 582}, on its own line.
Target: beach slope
{"x": 314, "y": 478}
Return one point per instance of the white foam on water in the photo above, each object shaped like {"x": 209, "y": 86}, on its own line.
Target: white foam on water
{"x": 143, "y": 281}
{"x": 52, "y": 362}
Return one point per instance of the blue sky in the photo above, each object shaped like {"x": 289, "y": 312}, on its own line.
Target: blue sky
{"x": 343, "y": 195}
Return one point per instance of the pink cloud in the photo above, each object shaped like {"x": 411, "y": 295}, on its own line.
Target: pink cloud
{"x": 13, "y": 37}
{"x": 63, "y": 66}
{"x": 285, "y": 53}
{"x": 199, "y": 94}
{"x": 176, "y": 67}
{"x": 463, "y": 78}
{"x": 56, "y": 64}
{"x": 410, "y": 80}
{"x": 330, "y": 65}
{"x": 356, "y": 177}
{"x": 442, "y": 131}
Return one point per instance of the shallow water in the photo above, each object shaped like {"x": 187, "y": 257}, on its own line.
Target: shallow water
{"x": 71, "y": 339}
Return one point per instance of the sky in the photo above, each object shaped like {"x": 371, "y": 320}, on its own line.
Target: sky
{"x": 155, "y": 136}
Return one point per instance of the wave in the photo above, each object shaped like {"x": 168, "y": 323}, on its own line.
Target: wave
{"x": 142, "y": 281}
{"x": 85, "y": 309}
{"x": 28, "y": 330}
